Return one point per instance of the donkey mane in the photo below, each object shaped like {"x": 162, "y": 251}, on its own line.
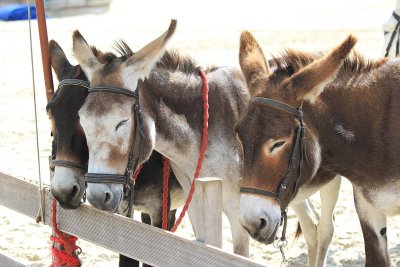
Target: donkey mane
{"x": 292, "y": 61}
{"x": 172, "y": 60}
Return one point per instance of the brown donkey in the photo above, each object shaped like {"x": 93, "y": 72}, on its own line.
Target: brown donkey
{"x": 171, "y": 118}
{"x": 330, "y": 113}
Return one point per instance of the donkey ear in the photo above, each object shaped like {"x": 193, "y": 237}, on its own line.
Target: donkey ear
{"x": 309, "y": 82}
{"x": 142, "y": 62}
{"x": 84, "y": 54}
{"x": 97, "y": 53}
{"x": 252, "y": 61}
{"x": 58, "y": 60}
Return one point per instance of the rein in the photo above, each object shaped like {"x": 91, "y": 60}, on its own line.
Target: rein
{"x": 295, "y": 166}
{"x": 396, "y": 30}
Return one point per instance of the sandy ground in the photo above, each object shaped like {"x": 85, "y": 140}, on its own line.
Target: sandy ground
{"x": 209, "y": 31}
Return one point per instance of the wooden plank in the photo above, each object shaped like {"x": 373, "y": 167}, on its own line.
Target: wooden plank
{"x": 208, "y": 195}
{"x": 122, "y": 235}
{"x": 19, "y": 195}
{"x": 6, "y": 261}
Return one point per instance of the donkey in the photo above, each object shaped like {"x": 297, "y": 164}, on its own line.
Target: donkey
{"x": 171, "y": 113}
{"x": 391, "y": 34}
{"x": 359, "y": 140}
{"x": 71, "y": 152}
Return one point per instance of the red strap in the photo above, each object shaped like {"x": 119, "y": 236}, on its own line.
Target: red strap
{"x": 202, "y": 150}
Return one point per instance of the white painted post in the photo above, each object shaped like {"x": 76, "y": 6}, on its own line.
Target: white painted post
{"x": 208, "y": 195}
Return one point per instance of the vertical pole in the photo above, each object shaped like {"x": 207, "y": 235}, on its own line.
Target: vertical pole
{"x": 44, "y": 47}
{"x": 208, "y": 195}
{"x": 48, "y": 81}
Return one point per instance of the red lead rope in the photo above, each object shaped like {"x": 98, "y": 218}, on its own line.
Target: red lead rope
{"x": 62, "y": 256}
{"x": 202, "y": 153}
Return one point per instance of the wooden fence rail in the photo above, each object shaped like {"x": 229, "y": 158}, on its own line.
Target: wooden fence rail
{"x": 122, "y": 235}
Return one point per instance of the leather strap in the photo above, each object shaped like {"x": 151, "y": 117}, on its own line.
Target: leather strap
{"x": 280, "y": 105}
{"x": 67, "y": 164}
{"x": 105, "y": 178}
{"x": 77, "y": 82}
{"x": 257, "y": 191}
{"x": 113, "y": 90}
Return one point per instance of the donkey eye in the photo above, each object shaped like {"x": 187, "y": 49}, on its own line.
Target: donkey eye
{"x": 385, "y": 32}
{"x": 120, "y": 124}
{"x": 276, "y": 145}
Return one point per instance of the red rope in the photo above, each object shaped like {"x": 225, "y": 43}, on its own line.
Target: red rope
{"x": 60, "y": 256}
{"x": 136, "y": 173}
{"x": 202, "y": 150}
{"x": 165, "y": 195}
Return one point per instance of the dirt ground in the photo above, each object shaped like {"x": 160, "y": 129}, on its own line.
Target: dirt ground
{"x": 209, "y": 32}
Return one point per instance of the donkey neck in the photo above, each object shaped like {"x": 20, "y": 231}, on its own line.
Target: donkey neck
{"x": 356, "y": 123}
{"x": 174, "y": 102}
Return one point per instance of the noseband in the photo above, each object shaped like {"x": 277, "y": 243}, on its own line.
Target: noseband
{"x": 396, "y": 30}
{"x": 296, "y": 161}
{"x": 66, "y": 163}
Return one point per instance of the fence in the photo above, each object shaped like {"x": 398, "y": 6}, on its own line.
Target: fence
{"x": 125, "y": 236}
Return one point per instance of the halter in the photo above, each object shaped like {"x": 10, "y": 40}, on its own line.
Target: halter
{"x": 296, "y": 160}
{"x": 396, "y": 30}
{"x": 138, "y": 133}
{"x": 66, "y": 163}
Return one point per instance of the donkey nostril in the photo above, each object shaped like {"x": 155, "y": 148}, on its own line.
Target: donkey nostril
{"x": 108, "y": 198}
{"x": 263, "y": 223}
{"x": 75, "y": 191}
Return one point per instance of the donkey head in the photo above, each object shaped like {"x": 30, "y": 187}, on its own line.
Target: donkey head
{"x": 266, "y": 133}
{"x": 67, "y": 185}
{"x": 109, "y": 119}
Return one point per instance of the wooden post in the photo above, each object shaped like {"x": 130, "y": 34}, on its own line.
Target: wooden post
{"x": 208, "y": 195}
{"x": 44, "y": 47}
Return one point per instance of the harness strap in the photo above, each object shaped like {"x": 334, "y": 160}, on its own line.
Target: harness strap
{"x": 114, "y": 90}
{"x": 257, "y": 191}
{"x": 67, "y": 164}
{"x": 77, "y": 82}
{"x": 105, "y": 178}
{"x": 280, "y": 105}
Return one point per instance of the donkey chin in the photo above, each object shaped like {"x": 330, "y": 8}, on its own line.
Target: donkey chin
{"x": 260, "y": 217}
{"x": 105, "y": 197}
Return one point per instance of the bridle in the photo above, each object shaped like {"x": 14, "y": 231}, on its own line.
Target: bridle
{"x": 66, "y": 163}
{"x": 100, "y": 177}
{"x": 133, "y": 161}
{"x": 296, "y": 161}
{"x": 396, "y": 30}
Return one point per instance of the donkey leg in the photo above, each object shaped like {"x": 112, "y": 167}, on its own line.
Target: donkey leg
{"x": 373, "y": 224}
{"x": 171, "y": 218}
{"x": 305, "y": 213}
{"x": 127, "y": 262}
{"x": 145, "y": 217}
{"x": 154, "y": 218}
{"x": 329, "y": 195}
